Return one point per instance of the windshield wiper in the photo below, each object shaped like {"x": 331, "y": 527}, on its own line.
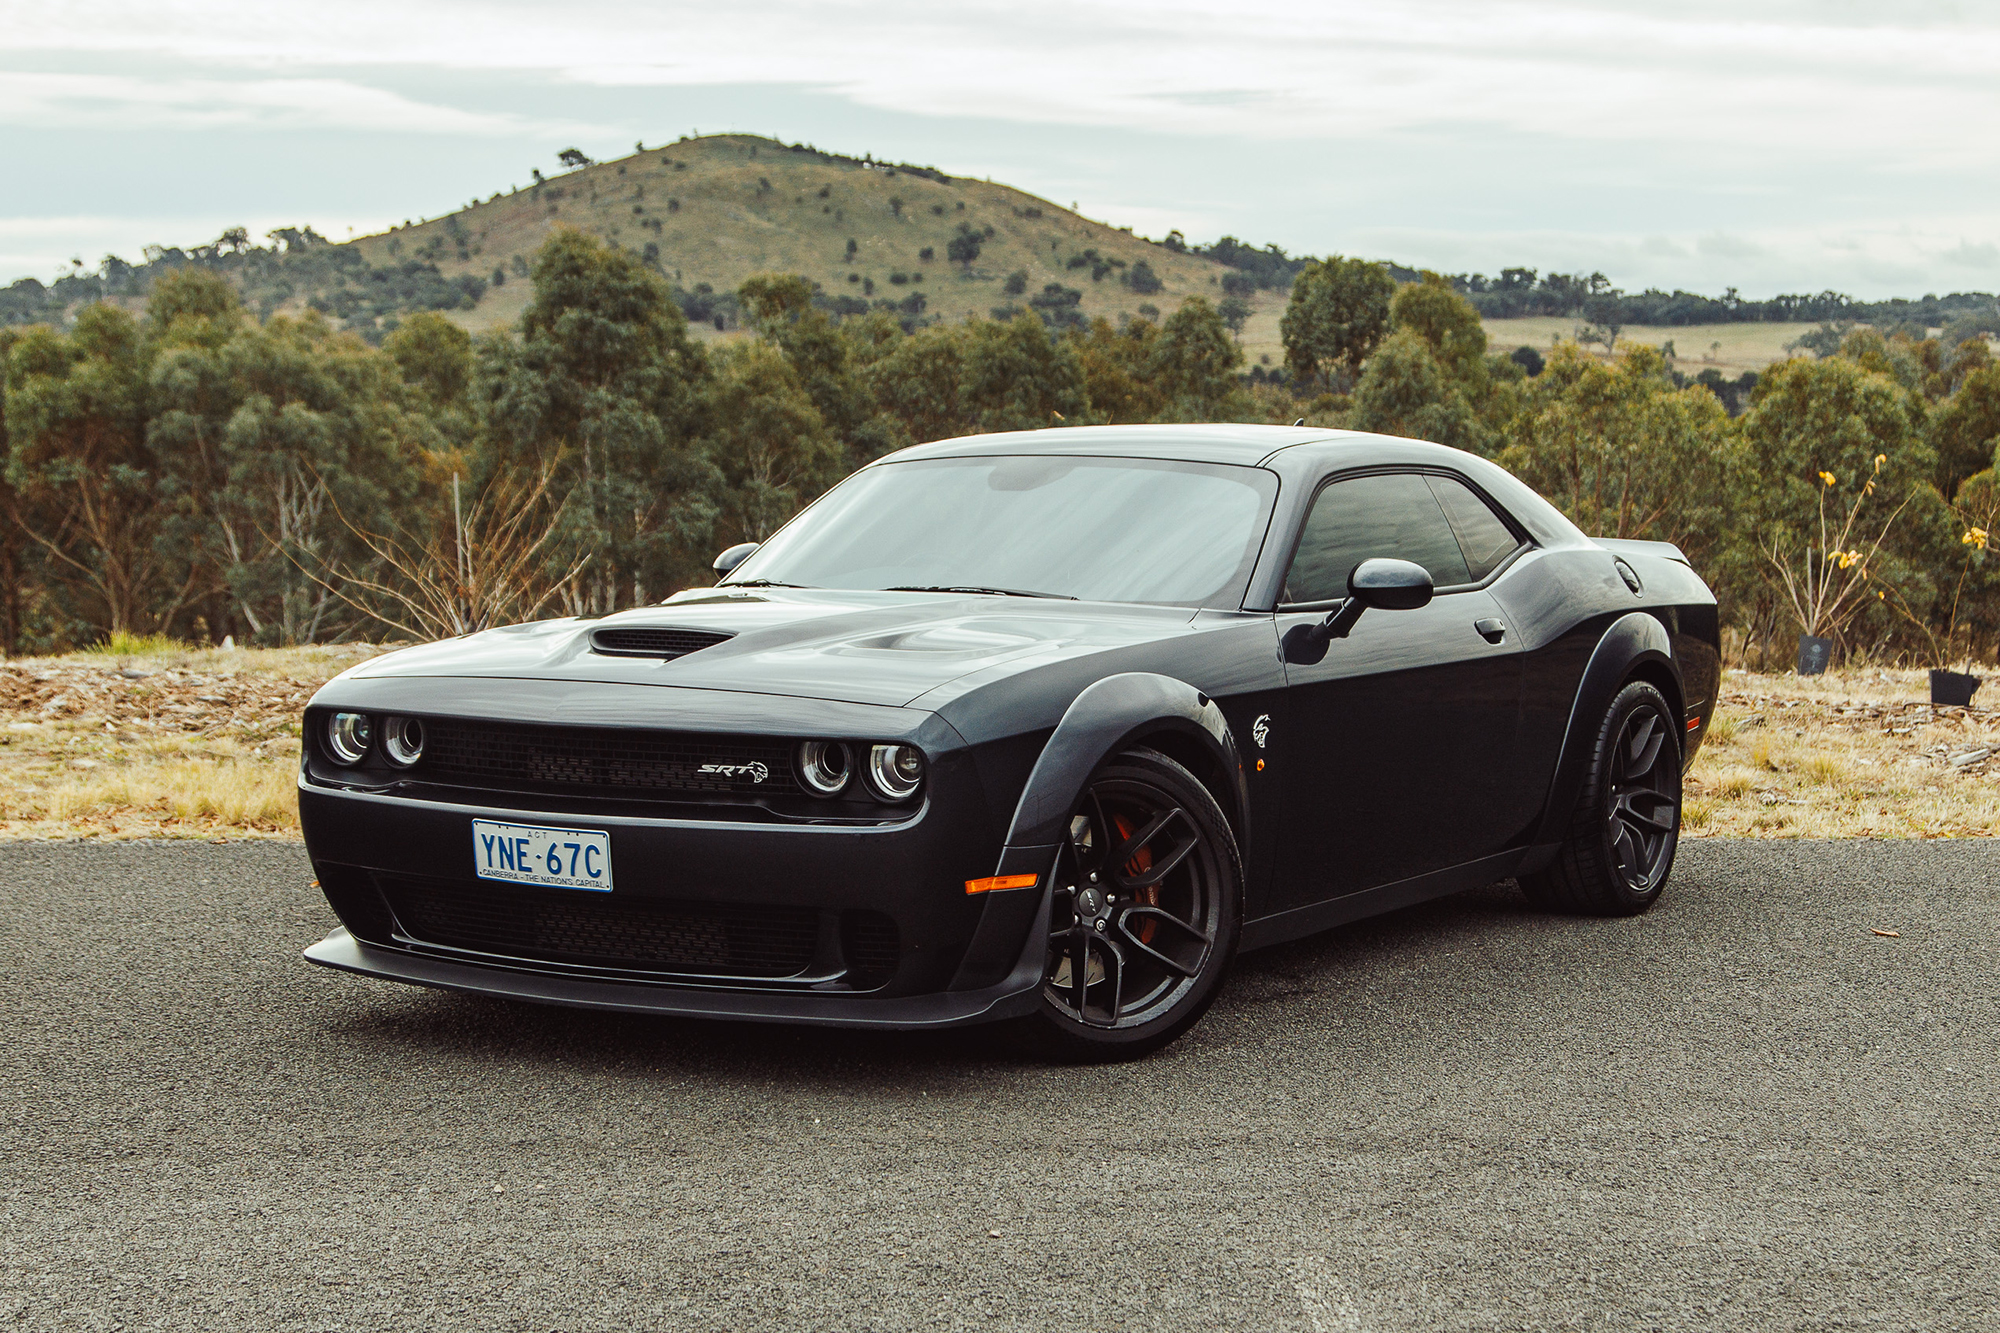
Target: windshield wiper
{"x": 998, "y": 592}
{"x": 764, "y": 583}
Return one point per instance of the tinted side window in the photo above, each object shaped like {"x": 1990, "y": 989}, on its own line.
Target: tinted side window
{"x": 1364, "y": 518}
{"x": 1485, "y": 540}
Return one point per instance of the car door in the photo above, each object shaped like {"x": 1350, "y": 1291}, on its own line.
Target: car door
{"x": 1399, "y": 742}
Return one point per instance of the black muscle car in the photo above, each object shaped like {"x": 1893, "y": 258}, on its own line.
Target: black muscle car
{"x": 1040, "y": 727}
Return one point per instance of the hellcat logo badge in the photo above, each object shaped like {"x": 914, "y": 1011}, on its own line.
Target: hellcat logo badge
{"x": 1260, "y": 729}
{"x": 755, "y": 772}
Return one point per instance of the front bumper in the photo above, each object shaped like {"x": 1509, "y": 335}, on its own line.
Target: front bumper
{"x": 1013, "y": 997}
{"x": 957, "y": 958}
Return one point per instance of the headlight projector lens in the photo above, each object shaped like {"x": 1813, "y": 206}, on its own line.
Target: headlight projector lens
{"x": 403, "y": 740}
{"x": 347, "y": 737}
{"x": 824, "y": 766}
{"x": 895, "y": 771}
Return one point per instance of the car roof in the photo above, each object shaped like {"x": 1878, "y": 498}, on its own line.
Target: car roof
{"x": 1298, "y": 454}
{"x": 1243, "y": 445}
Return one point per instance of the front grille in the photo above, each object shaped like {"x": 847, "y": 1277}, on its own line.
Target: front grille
{"x": 666, "y": 644}
{"x": 603, "y": 930}
{"x": 601, "y": 760}
{"x": 873, "y": 948}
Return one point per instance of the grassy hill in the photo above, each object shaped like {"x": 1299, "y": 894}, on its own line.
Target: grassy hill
{"x": 717, "y": 209}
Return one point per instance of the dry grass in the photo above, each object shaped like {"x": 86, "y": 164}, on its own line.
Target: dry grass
{"x": 164, "y": 741}
{"x": 157, "y": 740}
{"x": 1851, "y": 754}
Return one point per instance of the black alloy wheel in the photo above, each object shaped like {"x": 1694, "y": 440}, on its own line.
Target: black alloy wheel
{"x": 1623, "y": 835}
{"x": 1145, "y": 914}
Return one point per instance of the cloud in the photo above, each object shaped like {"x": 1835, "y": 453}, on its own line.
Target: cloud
{"x": 1966, "y": 254}
{"x": 114, "y": 101}
{"x": 1720, "y": 245}
{"x": 1735, "y": 81}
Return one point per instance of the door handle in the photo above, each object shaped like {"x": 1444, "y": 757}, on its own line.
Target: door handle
{"x": 1492, "y": 629}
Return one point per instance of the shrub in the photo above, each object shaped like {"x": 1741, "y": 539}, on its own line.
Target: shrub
{"x": 1017, "y": 282}
{"x": 938, "y": 209}
{"x": 964, "y": 247}
{"x": 1530, "y": 360}
{"x": 1143, "y": 280}
{"x": 1238, "y": 284}
{"x": 898, "y": 278}
{"x": 927, "y": 254}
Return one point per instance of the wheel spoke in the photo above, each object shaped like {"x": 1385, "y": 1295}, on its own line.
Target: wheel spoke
{"x": 1162, "y": 867}
{"x": 1101, "y": 834}
{"x": 1647, "y": 739}
{"x": 1626, "y": 843}
{"x": 1132, "y": 845}
{"x": 1659, "y": 819}
{"x": 1077, "y": 948}
{"x": 1132, "y": 939}
{"x": 1114, "y": 976}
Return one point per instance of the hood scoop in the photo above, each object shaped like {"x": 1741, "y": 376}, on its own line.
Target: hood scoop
{"x": 665, "y": 644}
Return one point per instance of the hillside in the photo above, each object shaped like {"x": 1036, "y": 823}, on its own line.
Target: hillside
{"x": 717, "y": 209}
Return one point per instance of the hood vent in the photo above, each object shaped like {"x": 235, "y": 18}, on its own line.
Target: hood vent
{"x": 665, "y": 644}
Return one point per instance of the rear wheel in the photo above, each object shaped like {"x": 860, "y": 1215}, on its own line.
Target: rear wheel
{"x": 1148, "y": 900}
{"x": 1626, "y": 827}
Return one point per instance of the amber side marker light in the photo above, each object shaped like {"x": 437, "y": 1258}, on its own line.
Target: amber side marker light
{"x": 1693, "y": 722}
{"x": 993, "y": 882}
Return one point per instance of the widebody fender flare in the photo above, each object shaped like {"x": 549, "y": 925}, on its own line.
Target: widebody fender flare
{"x": 1633, "y": 643}
{"x": 1101, "y": 722}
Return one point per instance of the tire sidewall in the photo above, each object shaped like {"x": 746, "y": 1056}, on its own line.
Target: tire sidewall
{"x": 1055, "y": 1032}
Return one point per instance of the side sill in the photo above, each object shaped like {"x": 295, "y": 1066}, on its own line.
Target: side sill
{"x": 1303, "y": 921}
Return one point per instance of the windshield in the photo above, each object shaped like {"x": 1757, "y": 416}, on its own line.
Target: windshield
{"x": 1098, "y": 529}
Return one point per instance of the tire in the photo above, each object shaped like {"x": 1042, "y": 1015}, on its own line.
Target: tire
{"x": 1138, "y": 944}
{"x": 1622, "y": 836}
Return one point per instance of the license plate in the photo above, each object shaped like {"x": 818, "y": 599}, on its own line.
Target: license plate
{"x": 559, "y": 858}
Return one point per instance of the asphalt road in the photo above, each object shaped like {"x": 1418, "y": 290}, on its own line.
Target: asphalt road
{"x": 1744, "y": 1110}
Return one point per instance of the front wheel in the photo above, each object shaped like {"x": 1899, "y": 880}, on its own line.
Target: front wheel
{"x": 1148, "y": 902}
{"x": 1626, "y": 826}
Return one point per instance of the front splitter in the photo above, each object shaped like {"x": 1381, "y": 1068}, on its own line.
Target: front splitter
{"x": 1012, "y": 998}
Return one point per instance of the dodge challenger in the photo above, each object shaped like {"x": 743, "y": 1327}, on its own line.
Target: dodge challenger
{"x": 1038, "y": 729}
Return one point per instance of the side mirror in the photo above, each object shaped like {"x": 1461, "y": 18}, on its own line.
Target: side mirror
{"x": 733, "y": 557}
{"x": 1390, "y": 585}
{"x": 1386, "y": 585}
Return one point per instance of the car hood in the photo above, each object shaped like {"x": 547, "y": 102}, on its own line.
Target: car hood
{"x": 854, "y": 647}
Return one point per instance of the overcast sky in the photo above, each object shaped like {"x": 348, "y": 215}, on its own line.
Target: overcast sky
{"x": 1846, "y": 144}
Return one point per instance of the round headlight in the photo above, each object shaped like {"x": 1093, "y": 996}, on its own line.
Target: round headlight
{"x": 824, "y": 766}
{"x": 347, "y": 737}
{"x": 403, "y": 740}
{"x": 895, "y": 771}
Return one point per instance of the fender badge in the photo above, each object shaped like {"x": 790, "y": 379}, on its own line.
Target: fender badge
{"x": 755, "y": 772}
{"x": 1260, "y": 730}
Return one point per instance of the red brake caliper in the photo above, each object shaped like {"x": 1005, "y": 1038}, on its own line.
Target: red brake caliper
{"x": 1141, "y": 862}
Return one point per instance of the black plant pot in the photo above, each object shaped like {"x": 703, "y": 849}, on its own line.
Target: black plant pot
{"x": 1814, "y": 653}
{"x": 1952, "y": 687}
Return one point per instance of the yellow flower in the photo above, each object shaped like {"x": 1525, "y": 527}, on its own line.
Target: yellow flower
{"x": 1846, "y": 558}
{"x": 1975, "y": 537}
{"x": 1827, "y": 477}
{"x": 1880, "y": 459}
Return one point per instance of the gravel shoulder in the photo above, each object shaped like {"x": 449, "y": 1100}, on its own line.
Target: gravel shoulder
{"x": 1745, "y": 1110}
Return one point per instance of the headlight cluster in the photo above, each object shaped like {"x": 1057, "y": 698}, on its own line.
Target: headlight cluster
{"x": 890, "y": 772}
{"x": 350, "y": 735}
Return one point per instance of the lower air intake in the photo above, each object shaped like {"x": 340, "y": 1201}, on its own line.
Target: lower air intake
{"x": 598, "y": 930}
